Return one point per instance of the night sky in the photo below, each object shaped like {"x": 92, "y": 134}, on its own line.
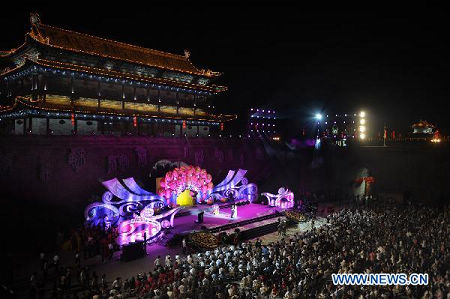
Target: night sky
{"x": 391, "y": 61}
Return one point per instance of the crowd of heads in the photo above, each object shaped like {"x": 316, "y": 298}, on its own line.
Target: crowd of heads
{"x": 56, "y": 279}
{"x": 355, "y": 240}
{"x": 92, "y": 241}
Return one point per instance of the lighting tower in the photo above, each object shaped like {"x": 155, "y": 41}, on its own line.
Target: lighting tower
{"x": 362, "y": 125}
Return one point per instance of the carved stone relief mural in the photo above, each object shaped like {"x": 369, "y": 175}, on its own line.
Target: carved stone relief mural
{"x": 141, "y": 153}
{"x": 77, "y": 158}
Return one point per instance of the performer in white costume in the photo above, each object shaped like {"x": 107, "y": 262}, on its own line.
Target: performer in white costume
{"x": 233, "y": 211}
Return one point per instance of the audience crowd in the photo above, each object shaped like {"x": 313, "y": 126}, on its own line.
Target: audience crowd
{"x": 394, "y": 239}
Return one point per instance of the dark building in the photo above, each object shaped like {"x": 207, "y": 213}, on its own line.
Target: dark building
{"x": 62, "y": 82}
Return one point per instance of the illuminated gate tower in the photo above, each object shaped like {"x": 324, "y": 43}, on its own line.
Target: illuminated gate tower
{"x": 62, "y": 82}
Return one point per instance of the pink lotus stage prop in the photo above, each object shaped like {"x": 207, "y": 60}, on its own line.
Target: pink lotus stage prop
{"x": 189, "y": 177}
{"x": 284, "y": 199}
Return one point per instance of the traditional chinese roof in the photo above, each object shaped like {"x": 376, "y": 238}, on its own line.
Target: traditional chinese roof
{"x": 87, "y": 44}
{"x": 422, "y": 124}
{"x": 111, "y": 73}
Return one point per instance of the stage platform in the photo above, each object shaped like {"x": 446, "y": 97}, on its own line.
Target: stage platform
{"x": 245, "y": 212}
{"x": 186, "y": 223}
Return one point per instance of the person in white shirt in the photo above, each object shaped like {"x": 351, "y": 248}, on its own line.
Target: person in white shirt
{"x": 157, "y": 262}
{"x": 168, "y": 261}
{"x": 184, "y": 245}
{"x": 116, "y": 283}
{"x": 56, "y": 260}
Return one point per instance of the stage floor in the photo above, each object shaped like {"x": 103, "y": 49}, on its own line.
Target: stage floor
{"x": 186, "y": 224}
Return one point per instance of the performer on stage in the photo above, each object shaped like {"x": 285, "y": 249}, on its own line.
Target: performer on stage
{"x": 233, "y": 211}
{"x": 215, "y": 210}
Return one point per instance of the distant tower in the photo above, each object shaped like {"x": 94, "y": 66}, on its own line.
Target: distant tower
{"x": 422, "y": 127}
